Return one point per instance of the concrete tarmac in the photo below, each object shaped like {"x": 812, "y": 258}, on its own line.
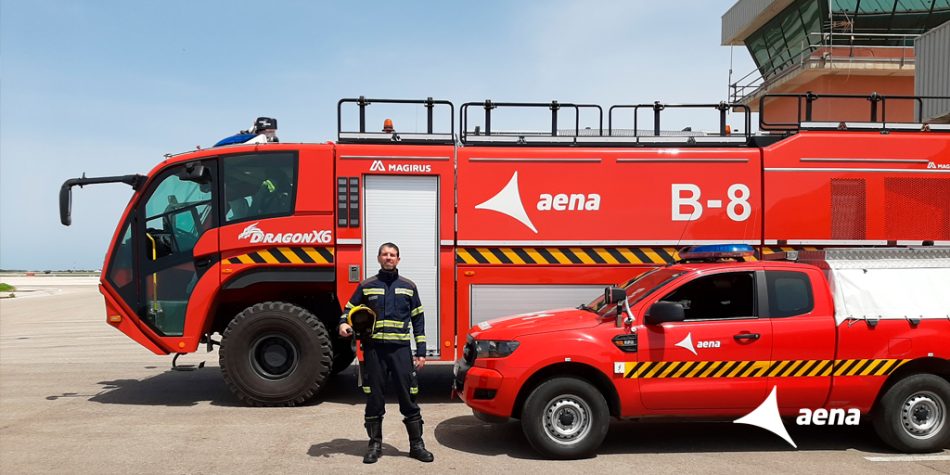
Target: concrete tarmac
{"x": 77, "y": 396}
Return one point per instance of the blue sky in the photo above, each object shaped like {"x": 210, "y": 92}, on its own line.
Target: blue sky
{"x": 109, "y": 87}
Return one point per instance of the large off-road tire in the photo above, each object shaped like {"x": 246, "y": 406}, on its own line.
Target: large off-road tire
{"x": 565, "y": 418}
{"x": 275, "y": 354}
{"x": 912, "y": 415}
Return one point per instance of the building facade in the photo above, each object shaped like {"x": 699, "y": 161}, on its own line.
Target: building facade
{"x": 831, "y": 47}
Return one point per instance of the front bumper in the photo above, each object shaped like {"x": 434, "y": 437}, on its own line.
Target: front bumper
{"x": 485, "y": 390}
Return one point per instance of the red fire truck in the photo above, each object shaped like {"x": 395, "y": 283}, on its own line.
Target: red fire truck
{"x": 260, "y": 243}
{"x": 711, "y": 338}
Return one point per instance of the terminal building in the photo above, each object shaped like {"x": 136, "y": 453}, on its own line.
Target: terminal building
{"x": 888, "y": 47}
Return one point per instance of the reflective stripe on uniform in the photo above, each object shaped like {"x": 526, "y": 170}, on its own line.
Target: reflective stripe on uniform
{"x": 374, "y": 291}
{"x": 413, "y": 390}
{"x": 348, "y": 306}
{"x": 367, "y": 389}
{"x": 416, "y": 311}
{"x": 390, "y": 324}
{"x": 391, "y": 336}
{"x": 408, "y": 292}
{"x": 420, "y": 338}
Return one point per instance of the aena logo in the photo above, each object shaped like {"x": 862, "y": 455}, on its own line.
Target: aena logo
{"x": 767, "y": 417}
{"x": 255, "y": 235}
{"x": 508, "y": 201}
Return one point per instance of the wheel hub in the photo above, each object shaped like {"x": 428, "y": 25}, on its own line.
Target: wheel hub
{"x": 567, "y": 419}
{"x": 923, "y": 415}
{"x": 273, "y": 356}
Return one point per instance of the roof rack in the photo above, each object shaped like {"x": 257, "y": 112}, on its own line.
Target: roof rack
{"x": 877, "y": 113}
{"x": 658, "y": 107}
{"x": 589, "y": 137}
{"x": 361, "y": 135}
{"x": 554, "y": 136}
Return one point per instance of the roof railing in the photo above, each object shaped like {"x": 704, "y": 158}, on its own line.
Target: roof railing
{"x": 362, "y": 135}
{"x": 877, "y": 112}
{"x": 657, "y": 107}
{"x": 489, "y": 134}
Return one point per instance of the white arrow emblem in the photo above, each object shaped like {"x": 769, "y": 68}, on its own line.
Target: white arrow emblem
{"x": 767, "y": 417}
{"x": 687, "y": 343}
{"x": 508, "y": 201}
{"x": 377, "y": 166}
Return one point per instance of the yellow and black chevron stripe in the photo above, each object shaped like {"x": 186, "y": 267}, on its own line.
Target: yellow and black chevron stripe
{"x": 758, "y": 369}
{"x": 565, "y": 255}
{"x": 286, "y": 255}
{"x": 777, "y": 249}
{"x": 583, "y": 255}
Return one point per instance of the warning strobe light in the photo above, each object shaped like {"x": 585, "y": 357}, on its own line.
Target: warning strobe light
{"x": 718, "y": 251}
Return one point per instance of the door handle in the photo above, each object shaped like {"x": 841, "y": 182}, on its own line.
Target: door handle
{"x": 202, "y": 263}
{"x": 746, "y": 336}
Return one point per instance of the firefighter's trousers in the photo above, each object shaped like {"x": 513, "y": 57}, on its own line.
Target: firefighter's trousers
{"x": 387, "y": 362}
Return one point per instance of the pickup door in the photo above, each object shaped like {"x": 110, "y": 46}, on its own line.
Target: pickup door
{"x": 716, "y": 358}
{"x": 803, "y": 328}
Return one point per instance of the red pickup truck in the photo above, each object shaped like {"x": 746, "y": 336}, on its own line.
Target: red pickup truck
{"x": 862, "y": 332}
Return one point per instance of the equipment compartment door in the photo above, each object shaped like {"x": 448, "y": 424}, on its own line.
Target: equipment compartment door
{"x": 404, "y": 210}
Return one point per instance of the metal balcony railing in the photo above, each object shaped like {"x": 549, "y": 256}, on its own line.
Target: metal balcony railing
{"x": 826, "y": 50}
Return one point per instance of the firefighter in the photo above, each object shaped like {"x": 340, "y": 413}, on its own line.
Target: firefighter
{"x": 395, "y": 301}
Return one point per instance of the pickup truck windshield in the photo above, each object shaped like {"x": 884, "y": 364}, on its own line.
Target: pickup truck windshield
{"x": 638, "y": 288}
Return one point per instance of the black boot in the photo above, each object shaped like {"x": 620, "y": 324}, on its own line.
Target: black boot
{"x": 374, "y": 429}
{"x": 417, "y": 448}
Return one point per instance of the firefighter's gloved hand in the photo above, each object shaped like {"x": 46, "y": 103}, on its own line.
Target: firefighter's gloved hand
{"x": 346, "y": 331}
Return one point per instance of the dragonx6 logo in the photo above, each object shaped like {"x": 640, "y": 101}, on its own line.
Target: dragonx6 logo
{"x": 256, "y": 235}
{"x": 508, "y": 201}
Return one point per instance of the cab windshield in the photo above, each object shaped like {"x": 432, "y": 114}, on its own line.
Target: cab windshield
{"x": 637, "y": 288}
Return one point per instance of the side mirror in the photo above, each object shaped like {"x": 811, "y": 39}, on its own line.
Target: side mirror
{"x": 66, "y": 203}
{"x": 614, "y": 295}
{"x": 662, "y": 312}
{"x": 196, "y": 173}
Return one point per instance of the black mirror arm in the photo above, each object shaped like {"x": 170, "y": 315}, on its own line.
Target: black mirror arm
{"x": 65, "y": 191}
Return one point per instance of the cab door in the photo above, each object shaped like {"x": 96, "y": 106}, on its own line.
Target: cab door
{"x": 717, "y": 357}
{"x": 176, "y": 211}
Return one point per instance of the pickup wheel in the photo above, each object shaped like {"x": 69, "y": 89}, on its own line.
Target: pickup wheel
{"x": 275, "y": 354}
{"x": 913, "y": 414}
{"x": 565, "y": 418}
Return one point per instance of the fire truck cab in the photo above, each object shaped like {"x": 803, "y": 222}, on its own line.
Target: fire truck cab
{"x": 254, "y": 246}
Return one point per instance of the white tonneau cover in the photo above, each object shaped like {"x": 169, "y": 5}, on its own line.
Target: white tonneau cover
{"x": 873, "y": 284}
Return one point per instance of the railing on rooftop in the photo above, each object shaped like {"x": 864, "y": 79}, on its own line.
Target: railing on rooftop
{"x": 876, "y": 118}
{"x": 488, "y": 133}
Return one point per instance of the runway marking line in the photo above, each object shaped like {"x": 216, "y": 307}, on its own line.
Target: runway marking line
{"x": 909, "y": 458}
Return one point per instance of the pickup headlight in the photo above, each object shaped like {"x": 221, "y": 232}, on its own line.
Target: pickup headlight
{"x": 495, "y": 348}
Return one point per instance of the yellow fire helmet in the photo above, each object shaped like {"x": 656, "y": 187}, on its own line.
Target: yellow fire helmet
{"x": 362, "y": 319}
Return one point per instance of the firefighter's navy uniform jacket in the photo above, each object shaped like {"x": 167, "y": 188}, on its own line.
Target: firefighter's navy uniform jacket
{"x": 397, "y": 305}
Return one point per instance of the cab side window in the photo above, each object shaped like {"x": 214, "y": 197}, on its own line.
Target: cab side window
{"x": 259, "y": 186}
{"x": 728, "y": 295}
{"x": 789, "y": 293}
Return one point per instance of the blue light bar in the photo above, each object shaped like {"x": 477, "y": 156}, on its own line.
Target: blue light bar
{"x": 717, "y": 251}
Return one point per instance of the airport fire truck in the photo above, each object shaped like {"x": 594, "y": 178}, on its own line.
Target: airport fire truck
{"x": 261, "y": 242}
{"x": 709, "y": 337}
